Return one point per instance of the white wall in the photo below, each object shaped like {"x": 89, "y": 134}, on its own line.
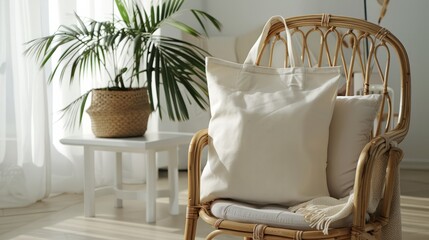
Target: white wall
{"x": 241, "y": 16}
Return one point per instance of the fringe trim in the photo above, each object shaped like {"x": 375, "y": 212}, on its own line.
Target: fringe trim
{"x": 316, "y": 217}
{"x": 321, "y": 212}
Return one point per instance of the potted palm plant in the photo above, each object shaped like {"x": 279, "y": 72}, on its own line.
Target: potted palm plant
{"x": 138, "y": 61}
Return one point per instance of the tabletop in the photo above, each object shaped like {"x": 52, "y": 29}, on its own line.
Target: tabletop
{"x": 149, "y": 140}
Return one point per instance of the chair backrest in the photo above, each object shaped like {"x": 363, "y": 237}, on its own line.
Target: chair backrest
{"x": 373, "y": 60}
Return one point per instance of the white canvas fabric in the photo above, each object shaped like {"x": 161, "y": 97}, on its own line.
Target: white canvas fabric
{"x": 269, "y": 129}
{"x": 349, "y": 132}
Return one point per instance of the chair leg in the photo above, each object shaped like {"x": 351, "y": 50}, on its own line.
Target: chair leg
{"x": 191, "y": 223}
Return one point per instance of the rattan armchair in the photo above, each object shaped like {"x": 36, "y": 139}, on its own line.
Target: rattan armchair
{"x": 359, "y": 46}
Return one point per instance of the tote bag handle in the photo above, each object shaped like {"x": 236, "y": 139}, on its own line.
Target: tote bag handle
{"x": 255, "y": 52}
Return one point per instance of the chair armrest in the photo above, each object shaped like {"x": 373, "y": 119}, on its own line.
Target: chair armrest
{"x": 198, "y": 142}
{"x": 375, "y": 150}
{"x": 395, "y": 157}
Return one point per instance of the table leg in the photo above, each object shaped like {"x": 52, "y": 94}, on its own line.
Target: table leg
{"x": 151, "y": 193}
{"x": 173, "y": 180}
{"x": 118, "y": 178}
{"x": 89, "y": 183}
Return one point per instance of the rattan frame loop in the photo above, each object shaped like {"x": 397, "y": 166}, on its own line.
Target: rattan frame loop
{"x": 259, "y": 231}
{"x": 325, "y": 20}
{"x": 192, "y": 211}
{"x": 273, "y": 44}
{"x": 298, "y": 235}
{"x": 381, "y": 34}
{"x": 218, "y": 223}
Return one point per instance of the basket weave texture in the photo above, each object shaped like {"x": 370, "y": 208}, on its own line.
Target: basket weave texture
{"x": 119, "y": 113}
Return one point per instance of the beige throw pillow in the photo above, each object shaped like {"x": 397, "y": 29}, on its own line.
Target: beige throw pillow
{"x": 349, "y": 132}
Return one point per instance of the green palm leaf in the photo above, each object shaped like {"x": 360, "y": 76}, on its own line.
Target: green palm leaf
{"x": 126, "y": 49}
{"x": 121, "y": 5}
{"x": 200, "y": 15}
{"x": 76, "y": 109}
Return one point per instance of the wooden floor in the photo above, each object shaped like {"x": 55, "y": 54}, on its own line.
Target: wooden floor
{"x": 415, "y": 204}
{"x": 61, "y": 218}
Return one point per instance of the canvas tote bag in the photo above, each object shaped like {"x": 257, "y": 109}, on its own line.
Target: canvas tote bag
{"x": 269, "y": 129}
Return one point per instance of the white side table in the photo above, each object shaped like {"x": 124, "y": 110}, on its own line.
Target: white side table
{"x": 149, "y": 144}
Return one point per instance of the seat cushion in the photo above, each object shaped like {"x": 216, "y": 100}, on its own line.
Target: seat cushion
{"x": 270, "y": 215}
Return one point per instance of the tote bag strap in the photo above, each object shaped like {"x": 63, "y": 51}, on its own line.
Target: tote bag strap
{"x": 258, "y": 47}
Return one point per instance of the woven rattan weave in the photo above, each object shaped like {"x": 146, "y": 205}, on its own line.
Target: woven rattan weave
{"x": 119, "y": 113}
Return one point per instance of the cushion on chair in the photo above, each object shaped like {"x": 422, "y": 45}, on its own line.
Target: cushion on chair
{"x": 271, "y": 215}
{"x": 268, "y": 139}
{"x": 349, "y": 131}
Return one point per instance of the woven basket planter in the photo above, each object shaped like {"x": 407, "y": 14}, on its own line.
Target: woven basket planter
{"x": 119, "y": 113}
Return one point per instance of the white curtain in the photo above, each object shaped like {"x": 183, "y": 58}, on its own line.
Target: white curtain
{"x": 24, "y": 136}
{"x": 33, "y": 163}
